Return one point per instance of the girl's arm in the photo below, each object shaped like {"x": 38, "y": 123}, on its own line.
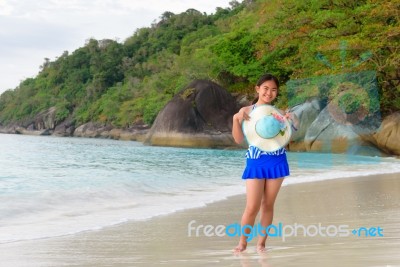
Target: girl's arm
{"x": 238, "y": 118}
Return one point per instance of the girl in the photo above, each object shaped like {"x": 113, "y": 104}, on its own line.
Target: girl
{"x": 261, "y": 192}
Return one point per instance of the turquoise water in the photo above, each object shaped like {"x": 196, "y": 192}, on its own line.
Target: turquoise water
{"x": 51, "y": 186}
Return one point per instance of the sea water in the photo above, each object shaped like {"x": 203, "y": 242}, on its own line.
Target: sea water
{"x": 54, "y": 186}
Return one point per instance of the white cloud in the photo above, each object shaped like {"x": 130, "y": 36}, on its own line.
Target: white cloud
{"x": 5, "y": 8}
{"x": 33, "y": 30}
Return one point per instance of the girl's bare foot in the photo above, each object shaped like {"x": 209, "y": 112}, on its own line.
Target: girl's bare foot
{"x": 240, "y": 247}
{"x": 261, "y": 247}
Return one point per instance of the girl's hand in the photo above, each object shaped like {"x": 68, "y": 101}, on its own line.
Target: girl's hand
{"x": 293, "y": 119}
{"x": 241, "y": 115}
{"x": 289, "y": 116}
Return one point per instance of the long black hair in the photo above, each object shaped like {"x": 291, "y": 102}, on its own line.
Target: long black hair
{"x": 264, "y": 78}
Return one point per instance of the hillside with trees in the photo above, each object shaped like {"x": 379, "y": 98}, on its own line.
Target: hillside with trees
{"x": 127, "y": 83}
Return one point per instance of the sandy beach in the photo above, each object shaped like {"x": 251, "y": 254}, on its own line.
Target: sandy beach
{"x": 371, "y": 202}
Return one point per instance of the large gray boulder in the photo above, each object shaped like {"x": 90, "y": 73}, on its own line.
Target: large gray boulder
{"x": 92, "y": 130}
{"x": 327, "y": 133}
{"x": 306, "y": 113}
{"x": 198, "y": 116}
{"x": 387, "y": 137}
{"x": 45, "y": 120}
{"x": 65, "y": 128}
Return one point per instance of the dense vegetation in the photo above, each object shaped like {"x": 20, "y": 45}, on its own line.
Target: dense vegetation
{"x": 126, "y": 83}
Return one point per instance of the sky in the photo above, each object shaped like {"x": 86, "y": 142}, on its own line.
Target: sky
{"x": 33, "y": 30}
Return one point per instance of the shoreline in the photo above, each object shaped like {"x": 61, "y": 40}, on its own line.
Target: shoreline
{"x": 368, "y": 201}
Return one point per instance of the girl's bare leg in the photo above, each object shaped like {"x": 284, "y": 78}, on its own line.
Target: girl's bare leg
{"x": 254, "y": 195}
{"x": 271, "y": 191}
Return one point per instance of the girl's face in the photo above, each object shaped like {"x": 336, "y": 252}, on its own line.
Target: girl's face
{"x": 267, "y": 92}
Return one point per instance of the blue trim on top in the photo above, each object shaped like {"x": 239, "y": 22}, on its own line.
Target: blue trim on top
{"x": 255, "y": 153}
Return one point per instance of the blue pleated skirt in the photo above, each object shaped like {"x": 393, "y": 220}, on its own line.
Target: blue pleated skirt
{"x": 266, "y": 167}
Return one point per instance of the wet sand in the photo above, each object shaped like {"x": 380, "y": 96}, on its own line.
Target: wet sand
{"x": 368, "y": 202}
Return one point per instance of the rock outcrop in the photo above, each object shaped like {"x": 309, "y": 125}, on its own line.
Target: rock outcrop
{"x": 387, "y": 137}
{"x": 96, "y": 130}
{"x": 326, "y": 134}
{"x": 198, "y": 116}
{"x": 45, "y": 124}
{"x": 323, "y": 131}
{"x": 65, "y": 128}
{"x": 42, "y": 124}
{"x": 306, "y": 113}
{"x": 45, "y": 120}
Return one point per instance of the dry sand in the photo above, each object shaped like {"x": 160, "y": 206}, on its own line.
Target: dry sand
{"x": 372, "y": 201}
